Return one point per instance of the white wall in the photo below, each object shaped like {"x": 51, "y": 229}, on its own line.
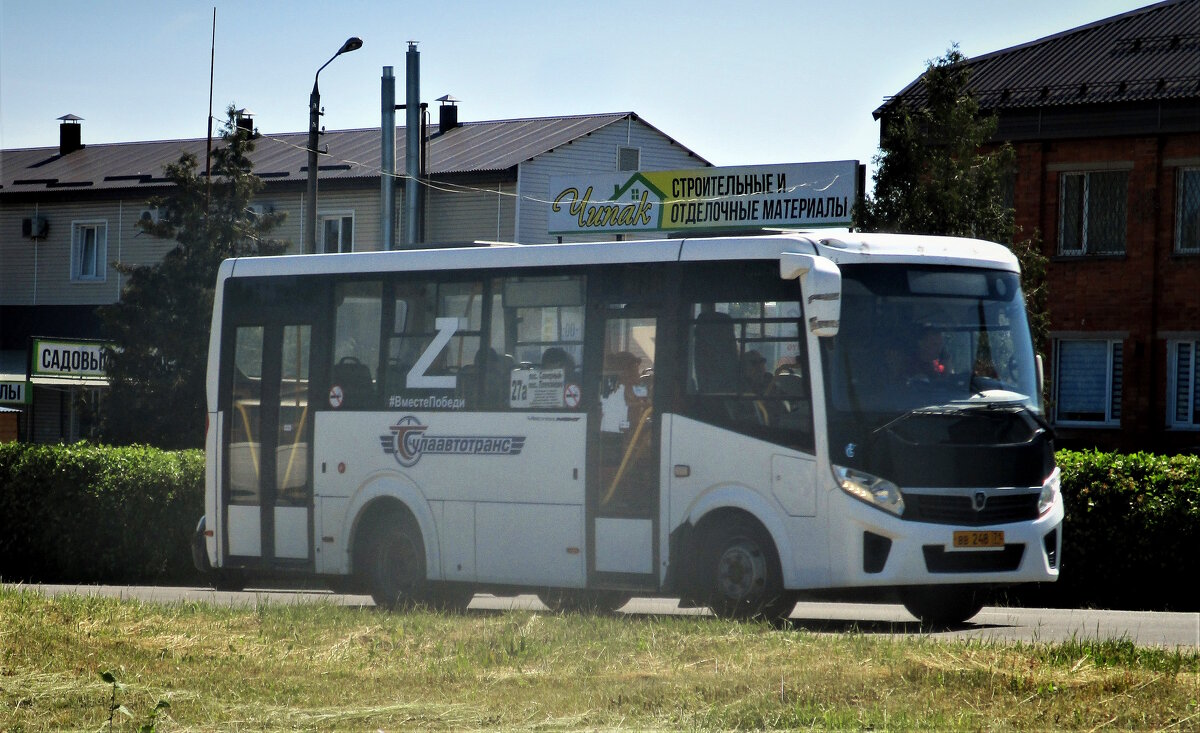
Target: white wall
{"x": 594, "y": 153}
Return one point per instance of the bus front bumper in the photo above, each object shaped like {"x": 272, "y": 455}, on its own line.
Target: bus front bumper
{"x": 881, "y": 549}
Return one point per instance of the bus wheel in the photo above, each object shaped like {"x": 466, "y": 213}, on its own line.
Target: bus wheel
{"x": 942, "y": 606}
{"x": 742, "y": 572}
{"x": 394, "y": 565}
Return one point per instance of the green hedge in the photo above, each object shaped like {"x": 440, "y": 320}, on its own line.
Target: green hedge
{"x": 1132, "y": 533}
{"x": 95, "y": 514}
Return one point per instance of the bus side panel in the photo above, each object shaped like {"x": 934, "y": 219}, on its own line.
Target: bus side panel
{"x": 791, "y": 507}
{"x": 530, "y": 544}
{"x": 520, "y": 475}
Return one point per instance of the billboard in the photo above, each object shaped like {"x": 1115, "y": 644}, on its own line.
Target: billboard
{"x": 789, "y": 195}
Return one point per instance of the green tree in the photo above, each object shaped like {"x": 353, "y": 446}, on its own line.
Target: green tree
{"x": 938, "y": 171}
{"x": 159, "y": 329}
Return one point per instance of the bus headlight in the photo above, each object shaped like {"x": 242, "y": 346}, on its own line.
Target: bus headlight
{"x": 876, "y": 491}
{"x": 1050, "y": 491}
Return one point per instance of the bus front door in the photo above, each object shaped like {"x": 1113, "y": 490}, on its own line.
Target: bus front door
{"x": 624, "y": 435}
{"x": 268, "y": 496}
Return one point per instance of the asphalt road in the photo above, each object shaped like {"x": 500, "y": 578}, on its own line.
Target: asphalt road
{"x": 1144, "y": 628}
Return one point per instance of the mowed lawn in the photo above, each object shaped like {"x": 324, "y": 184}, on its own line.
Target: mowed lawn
{"x": 325, "y": 667}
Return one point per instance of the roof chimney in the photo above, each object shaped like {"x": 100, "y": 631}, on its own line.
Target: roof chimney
{"x": 244, "y": 119}
{"x": 447, "y": 113}
{"x": 70, "y": 137}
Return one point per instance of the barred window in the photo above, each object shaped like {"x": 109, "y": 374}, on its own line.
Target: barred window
{"x": 1187, "y": 212}
{"x": 1092, "y": 213}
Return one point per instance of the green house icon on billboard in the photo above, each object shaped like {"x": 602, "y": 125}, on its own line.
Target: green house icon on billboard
{"x": 645, "y": 196}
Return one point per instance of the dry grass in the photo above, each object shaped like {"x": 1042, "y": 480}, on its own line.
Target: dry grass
{"x": 321, "y": 667}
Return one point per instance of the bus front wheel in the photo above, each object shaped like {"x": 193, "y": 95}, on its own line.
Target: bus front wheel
{"x": 394, "y": 565}
{"x": 741, "y": 571}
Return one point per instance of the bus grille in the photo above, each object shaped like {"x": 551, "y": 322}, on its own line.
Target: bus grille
{"x": 959, "y": 509}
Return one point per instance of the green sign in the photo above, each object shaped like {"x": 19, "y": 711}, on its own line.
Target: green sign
{"x": 15, "y": 392}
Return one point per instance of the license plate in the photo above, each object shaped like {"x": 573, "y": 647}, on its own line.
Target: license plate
{"x": 979, "y": 540}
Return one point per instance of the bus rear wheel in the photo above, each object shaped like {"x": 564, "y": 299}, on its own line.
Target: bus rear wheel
{"x": 942, "y": 606}
{"x": 394, "y": 565}
{"x": 741, "y": 572}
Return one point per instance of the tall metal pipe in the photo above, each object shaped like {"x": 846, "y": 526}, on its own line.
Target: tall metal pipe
{"x": 387, "y": 184}
{"x": 412, "y": 146}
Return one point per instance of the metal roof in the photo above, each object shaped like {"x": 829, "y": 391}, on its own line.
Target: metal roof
{"x": 472, "y": 147}
{"x": 1149, "y": 54}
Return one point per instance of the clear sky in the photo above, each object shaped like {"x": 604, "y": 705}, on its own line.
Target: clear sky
{"x": 740, "y": 82}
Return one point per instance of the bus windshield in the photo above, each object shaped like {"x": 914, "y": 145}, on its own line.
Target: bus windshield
{"x": 925, "y": 337}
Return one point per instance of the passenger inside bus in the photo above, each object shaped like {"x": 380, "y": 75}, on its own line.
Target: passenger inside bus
{"x": 496, "y": 369}
{"x": 715, "y": 354}
{"x": 788, "y": 398}
{"x": 556, "y": 357}
{"x": 755, "y": 377}
{"x": 920, "y": 359}
{"x": 626, "y": 400}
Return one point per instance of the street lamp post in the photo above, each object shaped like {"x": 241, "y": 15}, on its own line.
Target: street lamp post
{"x": 314, "y": 123}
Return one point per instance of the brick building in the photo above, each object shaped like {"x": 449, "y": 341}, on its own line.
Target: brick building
{"x": 1105, "y": 120}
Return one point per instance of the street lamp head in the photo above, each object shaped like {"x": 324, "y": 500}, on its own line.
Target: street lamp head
{"x": 352, "y": 43}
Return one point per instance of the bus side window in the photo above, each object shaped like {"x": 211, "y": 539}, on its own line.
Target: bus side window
{"x": 357, "y": 328}
{"x": 536, "y": 343}
{"x": 432, "y": 344}
{"x": 748, "y": 369}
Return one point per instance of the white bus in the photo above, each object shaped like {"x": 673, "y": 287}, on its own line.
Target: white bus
{"x": 731, "y": 421}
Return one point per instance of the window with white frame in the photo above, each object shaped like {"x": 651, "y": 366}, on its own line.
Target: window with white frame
{"x": 89, "y": 250}
{"x": 1087, "y": 382}
{"x": 1183, "y": 384}
{"x": 337, "y": 232}
{"x": 1092, "y": 212}
{"x": 1187, "y": 212}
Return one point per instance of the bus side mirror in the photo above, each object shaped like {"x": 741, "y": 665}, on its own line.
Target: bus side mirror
{"x": 821, "y": 286}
